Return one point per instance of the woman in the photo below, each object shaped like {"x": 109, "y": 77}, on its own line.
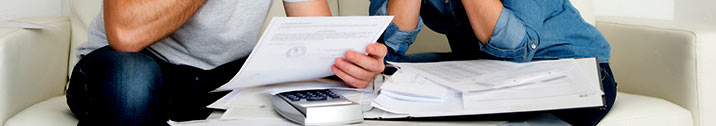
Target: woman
{"x": 511, "y": 30}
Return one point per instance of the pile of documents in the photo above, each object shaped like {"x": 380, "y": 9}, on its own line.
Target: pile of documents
{"x": 487, "y": 87}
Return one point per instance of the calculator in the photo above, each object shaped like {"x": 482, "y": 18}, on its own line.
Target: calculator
{"x": 317, "y": 107}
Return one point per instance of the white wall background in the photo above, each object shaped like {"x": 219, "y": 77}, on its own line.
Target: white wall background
{"x": 703, "y": 11}
{"x": 11, "y": 9}
{"x": 696, "y": 11}
{"x": 654, "y": 9}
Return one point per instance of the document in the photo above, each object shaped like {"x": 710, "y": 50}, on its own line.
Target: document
{"x": 482, "y": 75}
{"x": 572, "y": 83}
{"x": 413, "y": 87}
{"x": 234, "y": 122}
{"x": 301, "y": 48}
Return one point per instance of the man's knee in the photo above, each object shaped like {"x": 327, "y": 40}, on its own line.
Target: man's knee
{"x": 122, "y": 66}
{"x": 126, "y": 73}
{"x": 120, "y": 85}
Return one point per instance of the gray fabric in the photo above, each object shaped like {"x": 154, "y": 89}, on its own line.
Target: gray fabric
{"x": 220, "y": 32}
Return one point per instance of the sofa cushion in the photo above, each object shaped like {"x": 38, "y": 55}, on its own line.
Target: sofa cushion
{"x": 82, "y": 14}
{"x": 51, "y": 112}
{"x": 631, "y": 110}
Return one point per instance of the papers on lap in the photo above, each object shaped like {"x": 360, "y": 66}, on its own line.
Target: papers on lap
{"x": 301, "y": 48}
{"x": 486, "y": 87}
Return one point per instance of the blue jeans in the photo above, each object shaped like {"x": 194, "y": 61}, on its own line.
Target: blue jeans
{"x": 577, "y": 117}
{"x": 110, "y": 87}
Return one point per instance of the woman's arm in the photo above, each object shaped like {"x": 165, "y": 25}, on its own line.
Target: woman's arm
{"x": 483, "y": 15}
{"x": 406, "y": 13}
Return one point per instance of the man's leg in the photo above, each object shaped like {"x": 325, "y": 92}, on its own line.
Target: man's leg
{"x": 188, "y": 88}
{"x": 109, "y": 87}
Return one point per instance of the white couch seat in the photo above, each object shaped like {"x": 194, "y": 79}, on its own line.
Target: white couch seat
{"x": 629, "y": 109}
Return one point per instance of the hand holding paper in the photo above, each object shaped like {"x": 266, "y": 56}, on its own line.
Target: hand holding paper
{"x": 358, "y": 70}
{"x": 301, "y": 48}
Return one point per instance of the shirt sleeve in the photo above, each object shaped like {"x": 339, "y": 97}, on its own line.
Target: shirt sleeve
{"x": 398, "y": 40}
{"x": 395, "y": 39}
{"x": 515, "y": 38}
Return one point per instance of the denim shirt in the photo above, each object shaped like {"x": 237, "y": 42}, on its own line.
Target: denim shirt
{"x": 526, "y": 30}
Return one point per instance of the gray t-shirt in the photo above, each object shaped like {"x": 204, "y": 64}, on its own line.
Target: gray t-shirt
{"x": 221, "y": 31}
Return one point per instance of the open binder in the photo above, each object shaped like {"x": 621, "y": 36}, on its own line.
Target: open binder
{"x": 478, "y": 87}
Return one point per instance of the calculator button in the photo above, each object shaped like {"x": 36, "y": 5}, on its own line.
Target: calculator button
{"x": 316, "y": 98}
{"x": 333, "y": 95}
{"x": 300, "y": 95}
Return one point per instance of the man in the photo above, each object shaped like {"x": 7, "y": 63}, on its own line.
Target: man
{"x": 512, "y": 30}
{"x": 148, "y": 61}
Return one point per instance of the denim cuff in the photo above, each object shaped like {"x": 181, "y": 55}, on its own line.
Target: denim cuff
{"x": 399, "y": 40}
{"x": 510, "y": 38}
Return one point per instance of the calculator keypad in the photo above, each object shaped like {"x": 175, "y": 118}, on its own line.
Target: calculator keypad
{"x": 311, "y": 95}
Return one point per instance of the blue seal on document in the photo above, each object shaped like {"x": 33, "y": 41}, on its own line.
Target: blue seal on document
{"x": 296, "y": 51}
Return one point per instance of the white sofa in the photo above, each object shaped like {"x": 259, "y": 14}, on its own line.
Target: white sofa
{"x": 665, "y": 70}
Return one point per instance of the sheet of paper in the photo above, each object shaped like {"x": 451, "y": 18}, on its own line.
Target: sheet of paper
{"x": 311, "y": 86}
{"x": 454, "y": 73}
{"x": 234, "y": 122}
{"x": 23, "y": 24}
{"x": 412, "y": 86}
{"x": 577, "y": 83}
{"x": 483, "y": 75}
{"x": 453, "y": 105}
{"x": 224, "y": 101}
{"x": 301, "y": 48}
{"x": 562, "y": 94}
{"x": 255, "y": 102}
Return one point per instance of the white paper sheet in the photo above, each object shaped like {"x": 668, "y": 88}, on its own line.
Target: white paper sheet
{"x": 312, "y": 86}
{"x": 224, "y": 101}
{"x": 581, "y": 90}
{"x": 255, "y": 102}
{"x": 483, "y": 75}
{"x": 301, "y": 48}
{"x": 412, "y": 86}
{"x": 454, "y": 74}
{"x": 235, "y": 122}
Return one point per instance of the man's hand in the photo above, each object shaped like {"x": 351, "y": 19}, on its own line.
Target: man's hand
{"x": 358, "y": 70}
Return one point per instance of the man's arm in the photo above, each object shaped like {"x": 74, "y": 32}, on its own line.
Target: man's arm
{"x": 406, "y": 13}
{"x": 483, "y": 15}
{"x": 132, "y": 25}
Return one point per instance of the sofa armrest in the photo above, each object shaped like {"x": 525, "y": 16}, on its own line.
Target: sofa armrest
{"x": 666, "y": 59}
{"x": 33, "y": 64}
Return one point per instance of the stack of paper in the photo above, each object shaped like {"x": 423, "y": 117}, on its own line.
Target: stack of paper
{"x": 256, "y": 101}
{"x": 487, "y": 86}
